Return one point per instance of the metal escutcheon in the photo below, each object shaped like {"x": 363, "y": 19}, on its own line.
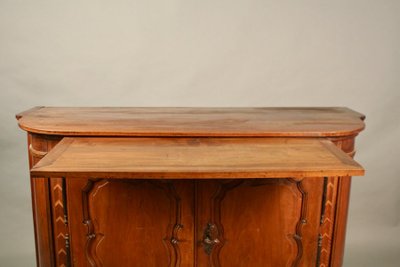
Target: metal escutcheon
{"x": 210, "y": 238}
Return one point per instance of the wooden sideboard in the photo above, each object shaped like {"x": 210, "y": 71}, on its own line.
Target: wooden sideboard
{"x": 259, "y": 187}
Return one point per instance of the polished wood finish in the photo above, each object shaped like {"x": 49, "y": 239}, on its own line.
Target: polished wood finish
{"x": 339, "y": 220}
{"x": 39, "y": 145}
{"x": 189, "y": 158}
{"x": 192, "y": 121}
{"x": 260, "y": 222}
{"x": 142, "y": 222}
{"x": 161, "y": 187}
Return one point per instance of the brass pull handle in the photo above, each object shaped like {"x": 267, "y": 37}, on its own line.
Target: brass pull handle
{"x": 210, "y": 238}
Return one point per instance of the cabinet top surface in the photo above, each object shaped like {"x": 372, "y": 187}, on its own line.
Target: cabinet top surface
{"x": 234, "y": 122}
{"x": 179, "y": 158}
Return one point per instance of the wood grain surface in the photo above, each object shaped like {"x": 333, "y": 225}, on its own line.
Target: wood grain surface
{"x": 113, "y": 121}
{"x": 259, "y": 222}
{"x": 191, "y": 158}
{"x": 131, "y": 222}
{"x": 83, "y": 217}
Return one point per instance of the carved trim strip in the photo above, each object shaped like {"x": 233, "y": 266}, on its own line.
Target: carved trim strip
{"x": 60, "y": 222}
{"x": 171, "y": 240}
{"x": 93, "y": 238}
{"x": 218, "y": 229}
{"x": 302, "y": 221}
{"x": 327, "y": 222}
{"x": 175, "y": 200}
{"x": 319, "y": 248}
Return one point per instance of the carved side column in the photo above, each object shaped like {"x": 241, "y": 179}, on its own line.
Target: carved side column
{"x": 334, "y": 221}
{"x": 38, "y": 146}
{"x": 60, "y": 222}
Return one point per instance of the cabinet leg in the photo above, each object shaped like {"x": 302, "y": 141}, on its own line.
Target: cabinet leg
{"x": 339, "y": 234}
{"x": 42, "y": 222}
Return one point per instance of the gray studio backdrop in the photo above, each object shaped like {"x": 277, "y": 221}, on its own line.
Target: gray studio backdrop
{"x": 208, "y": 53}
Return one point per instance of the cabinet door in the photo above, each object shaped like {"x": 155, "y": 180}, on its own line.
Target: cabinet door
{"x": 130, "y": 222}
{"x": 258, "y": 222}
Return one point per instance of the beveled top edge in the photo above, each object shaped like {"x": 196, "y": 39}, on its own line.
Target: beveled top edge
{"x": 228, "y": 121}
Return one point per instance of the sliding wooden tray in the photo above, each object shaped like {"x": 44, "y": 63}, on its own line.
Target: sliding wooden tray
{"x": 194, "y": 158}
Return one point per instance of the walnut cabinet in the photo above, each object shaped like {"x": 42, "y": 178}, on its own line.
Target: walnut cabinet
{"x": 191, "y": 186}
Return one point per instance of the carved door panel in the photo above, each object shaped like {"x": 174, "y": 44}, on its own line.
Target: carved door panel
{"x": 130, "y": 222}
{"x": 259, "y": 223}
{"x": 250, "y": 222}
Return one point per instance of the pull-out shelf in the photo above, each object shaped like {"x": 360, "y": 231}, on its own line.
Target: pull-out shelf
{"x": 192, "y": 158}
